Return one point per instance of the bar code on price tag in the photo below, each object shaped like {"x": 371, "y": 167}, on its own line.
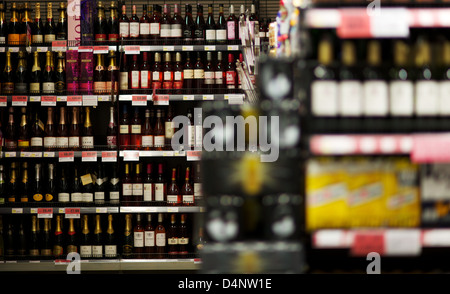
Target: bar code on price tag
{"x": 45, "y": 212}
{"x": 72, "y": 213}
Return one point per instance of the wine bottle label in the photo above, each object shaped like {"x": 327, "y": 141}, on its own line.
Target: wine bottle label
{"x": 221, "y": 35}
{"x": 191, "y": 135}
{"x": 178, "y": 75}
{"x": 135, "y": 129}
{"x": 178, "y": 84}
{"x": 62, "y": 142}
{"x": 48, "y": 87}
{"x": 209, "y": 77}
{"x": 35, "y": 87}
{"x": 376, "y": 98}
{"x": 138, "y": 189}
{"x": 123, "y": 77}
{"x": 427, "y": 99}
{"x": 73, "y": 142}
{"x": 172, "y": 199}
{"x": 49, "y": 38}
{"x": 38, "y": 197}
{"x": 87, "y": 197}
{"x": 36, "y": 142}
{"x": 23, "y": 143}
{"x": 124, "y": 129}
{"x": 165, "y": 31}
{"x": 183, "y": 240}
{"x": 324, "y": 98}
{"x": 188, "y": 73}
{"x": 97, "y": 251}
{"x": 148, "y": 192}
{"x": 37, "y": 39}
{"x": 127, "y": 189}
{"x": 110, "y": 251}
{"x": 210, "y": 35}
{"x": 262, "y": 34}
{"x": 114, "y": 195}
{"x": 176, "y": 31}
{"x": 138, "y": 239}
{"x": 350, "y": 94}
{"x": 231, "y": 30}
{"x": 169, "y": 129}
{"x": 63, "y": 197}
{"x": 124, "y": 29}
{"x": 218, "y": 76}
{"x": 86, "y": 251}
{"x": 135, "y": 79}
{"x": 167, "y": 75}
{"x": 57, "y": 250}
{"x": 21, "y": 87}
{"x": 188, "y": 198}
{"x": 172, "y": 241}
{"x": 144, "y": 29}
{"x": 402, "y": 98}
{"x": 155, "y": 76}
{"x": 87, "y": 142}
{"x": 198, "y": 192}
{"x": 49, "y": 197}
{"x": 199, "y": 34}
{"x": 99, "y": 87}
{"x": 8, "y": 88}
{"x": 99, "y": 196}
{"x": 111, "y": 140}
{"x": 154, "y": 28}
{"x": 444, "y": 98}
{"x": 198, "y": 136}
{"x": 33, "y": 252}
{"x": 76, "y": 197}
{"x": 159, "y": 192}
{"x": 149, "y": 238}
{"x": 160, "y": 239}
{"x": 230, "y": 79}
{"x": 199, "y": 74}
{"x": 134, "y": 29}
{"x": 113, "y": 37}
{"x": 46, "y": 252}
{"x": 147, "y": 141}
{"x": 159, "y": 141}
{"x": 144, "y": 79}
{"x": 100, "y": 37}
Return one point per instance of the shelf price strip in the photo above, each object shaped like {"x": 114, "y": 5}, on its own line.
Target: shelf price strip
{"x": 89, "y": 156}
{"x": 109, "y": 156}
{"x": 66, "y": 156}
{"x": 45, "y": 213}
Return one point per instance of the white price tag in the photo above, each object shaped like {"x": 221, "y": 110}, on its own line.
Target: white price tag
{"x": 390, "y": 22}
{"x": 208, "y": 97}
{"x": 403, "y": 242}
{"x": 17, "y": 210}
{"x": 131, "y": 155}
{"x": 187, "y": 48}
{"x": 210, "y": 48}
{"x": 172, "y": 209}
{"x": 66, "y": 156}
{"x": 35, "y": 98}
{"x": 193, "y": 155}
{"x": 74, "y": 100}
{"x": 90, "y": 100}
{"x": 45, "y": 213}
{"x": 188, "y": 97}
{"x": 101, "y": 209}
{"x": 233, "y": 47}
{"x": 235, "y": 98}
{"x": 49, "y": 154}
{"x": 168, "y": 48}
{"x": 10, "y": 154}
{"x": 3, "y": 101}
{"x": 104, "y": 98}
{"x": 61, "y": 98}
{"x": 19, "y": 100}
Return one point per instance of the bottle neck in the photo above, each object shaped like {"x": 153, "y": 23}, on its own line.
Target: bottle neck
{"x": 85, "y": 226}
{"x": 49, "y": 12}
{"x": 110, "y": 229}
{"x": 62, "y": 116}
{"x": 98, "y": 228}
{"x": 87, "y": 121}
{"x": 74, "y": 117}
{"x": 71, "y": 227}
{"x": 50, "y": 116}
{"x": 58, "y": 225}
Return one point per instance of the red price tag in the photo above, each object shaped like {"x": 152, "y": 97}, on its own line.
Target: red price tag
{"x": 139, "y": 100}
{"x": 109, "y": 156}
{"x": 89, "y": 156}
{"x": 354, "y": 24}
{"x": 132, "y": 49}
{"x": 366, "y": 242}
{"x": 85, "y": 49}
{"x": 66, "y": 156}
{"x": 101, "y": 49}
{"x": 3, "y": 101}
{"x": 59, "y": 45}
{"x": 19, "y": 100}
{"x": 161, "y": 99}
{"x": 193, "y": 155}
{"x": 74, "y": 100}
{"x": 45, "y": 212}
{"x": 48, "y": 101}
{"x": 431, "y": 148}
{"x": 72, "y": 213}
{"x": 131, "y": 155}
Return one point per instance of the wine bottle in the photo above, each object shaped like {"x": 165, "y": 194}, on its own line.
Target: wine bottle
{"x": 221, "y": 27}
{"x": 136, "y": 130}
{"x": 241, "y": 17}
{"x": 124, "y": 129}
{"x": 37, "y": 189}
{"x": 38, "y": 27}
{"x": 85, "y": 239}
{"x": 14, "y": 26}
{"x": 189, "y": 25}
{"x": 209, "y": 72}
{"x": 48, "y": 77}
{"x": 3, "y": 189}
{"x": 176, "y": 26}
{"x": 134, "y": 73}
{"x": 76, "y": 192}
{"x": 11, "y": 132}
{"x": 148, "y": 184}
{"x": 36, "y": 74}
{"x": 35, "y": 242}
{"x": 173, "y": 193}
{"x": 160, "y": 237}
{"x": 444, "y": 81}
{"x": 100, "y": 75}
{"x": 13, "y": 185}
{"x": 10, "y": 240}
{"x": 138, "y": 186}
{"x": 144, "y": 24}
{"x": 134, "y": 24}
{"x": 87, "y": 139}
{"x": 159, "y": 132}
{"x": 172, "y": 237}
{"x": 72, "y": 240}
{"x": 111, "y": 132}
{"x": 3, "y": 25}
{"x": 24, "y": 185}
{"x": 87, "y": 186}
{"x": 199, "y": 29}
{"x": 253, "y": 19}
{"x": 219, "y": 74}
{"x": 62, "y": 141}
{"x": 127, "y": 245}
{"x": 123, "y": 74}
{"x": 191, "y": 130}
{"x": 169, "y": 129}
{"x": 138, "y": 238}
{"x": 100, "y": 24}
{"x": 74, "y": 131}
{"x": 50, "y": 189}
{"x": 37, "y": 134}
{"x": 22, "y": 241}
{"x": 155, "y": 24}
{"x": 8, "y": 78}
{"x": 188, "y": 73}
{"x": 230, "y": 73}
{"x": 49, "y": 29}
{"x": 110, "y": 240}
{"x": 100, "y": 186}
{"x": 199, "y": 74}
{"x": 160, "y": 185}
{"x": 97, "y": 239}
{"x": 167, "y": 72}
{"x": 61, "y": 28}
{"x": 157, "y": 73}
{"x": 232, "y": 25}
{"x": 147, "y": 132}
{"x": 112, "y": 75}
{"x": 187, "y": 192}
{"x": 145, "y": 79}
{"x": 183, "y": 238}
{"x": 210, "y": 27}
{"x": 113, "y": 23}
{"x": 58, "y": 239}
{"x": 149, "y": 238}
{"x": 350, "y": 87}
{"x": 23, "y": 140}
{"x": 50, "y": 132}
{"x": 21, "y": 76}
{"x": 124, "y": 24}
{"x": 63, "y": 187}
{"x": 127, "y": 186}
{"x": 114, "y": 187}
{"x": 178, "y": 77}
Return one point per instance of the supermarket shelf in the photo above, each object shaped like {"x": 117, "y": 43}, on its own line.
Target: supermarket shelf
{"x": 161, "y": 209}
{"x": 47, "y": 210}
{"x": 103, "y": 265}
{"x": 163, "y": 99}
{"x": 52, "y": 100}
{"x": 136, "y": 49}
{"x": 64, "y": 156}
{"x": 134, "y": 155}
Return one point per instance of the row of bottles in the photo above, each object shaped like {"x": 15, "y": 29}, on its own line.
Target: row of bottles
{"x": 99, "y": 237}
{"x": 145, "y": 183}
{"x": 23, "y": 30}
{"x": 415, "y": 83}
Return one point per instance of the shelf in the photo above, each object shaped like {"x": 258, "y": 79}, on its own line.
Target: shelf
{"x": 163, "y": 99}
{"x": 136, "y": 49}
{"x": 47, "y": 210}
{"x": 135, "y": 155}
{"x": 52, "y": 99}
{"x": 161, "y": 209}
{"x": 64, "y": 156}
{"x": 103, "y": 265}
